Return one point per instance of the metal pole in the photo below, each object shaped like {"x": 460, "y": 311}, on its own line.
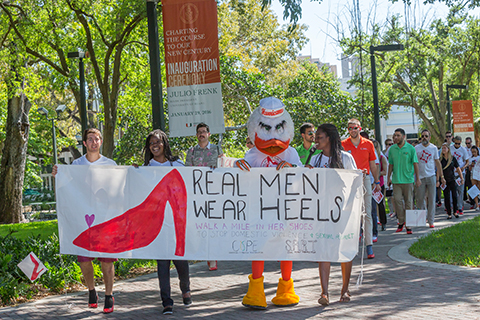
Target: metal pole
{"x": 376, "y": 109}
{"x": 449, "y": 110}
{"x": 155, "y": 71}
{"x": 54, "y": 138}
{"x": 83, "y": 102}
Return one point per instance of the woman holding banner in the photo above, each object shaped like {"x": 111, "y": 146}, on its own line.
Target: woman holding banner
{"x": 328, "y": 140}
{"x": 157, "y": 153}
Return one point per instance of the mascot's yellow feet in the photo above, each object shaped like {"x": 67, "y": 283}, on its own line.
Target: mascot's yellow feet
{"x": 255, "y": 297}
{"x": 286, "y": 296}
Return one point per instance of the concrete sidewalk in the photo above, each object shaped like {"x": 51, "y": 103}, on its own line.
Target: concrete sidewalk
{"x": 395, "y": 286}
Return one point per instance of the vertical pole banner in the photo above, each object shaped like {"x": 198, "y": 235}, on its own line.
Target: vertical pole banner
{"x": 462, "y": 111}
{"x": 190, "y": 30}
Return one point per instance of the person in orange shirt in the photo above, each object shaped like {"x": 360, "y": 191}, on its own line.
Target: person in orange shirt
{"x": 363, "y": 152}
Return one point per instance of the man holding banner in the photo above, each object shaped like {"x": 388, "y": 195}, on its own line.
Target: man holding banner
{"x": 92, "y": 140}
{"x": 363, "y": 152}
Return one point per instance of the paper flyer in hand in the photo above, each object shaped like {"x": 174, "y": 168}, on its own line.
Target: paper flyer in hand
{"x": 459, "y": 181}
{"x": 473, "y": 192}
{"x": 378, "y": 196}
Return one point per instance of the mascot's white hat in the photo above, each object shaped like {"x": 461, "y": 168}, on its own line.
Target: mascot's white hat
{"x": 271, "y": 107}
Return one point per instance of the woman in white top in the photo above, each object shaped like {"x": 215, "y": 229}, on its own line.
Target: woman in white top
{"x": 475, "y": 170}
{"x": 328, "y": 140}
{"x": 157, "y": 153}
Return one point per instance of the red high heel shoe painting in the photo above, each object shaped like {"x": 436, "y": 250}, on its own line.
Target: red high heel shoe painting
{"x": 139, "y": 226}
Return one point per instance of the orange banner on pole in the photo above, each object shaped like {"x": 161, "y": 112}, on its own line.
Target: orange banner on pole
{"x": 190, "y": 30}
{"x": 462, "y": 116}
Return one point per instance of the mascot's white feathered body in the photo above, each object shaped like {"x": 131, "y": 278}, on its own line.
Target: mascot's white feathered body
{"x": 271, "y": 129}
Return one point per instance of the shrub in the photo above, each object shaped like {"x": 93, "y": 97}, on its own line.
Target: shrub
{"x": 63, "y": 270}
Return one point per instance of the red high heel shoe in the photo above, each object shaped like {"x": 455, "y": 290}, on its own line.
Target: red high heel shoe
{"x": 109, "y": 310}
{"x": 139, "y": 226}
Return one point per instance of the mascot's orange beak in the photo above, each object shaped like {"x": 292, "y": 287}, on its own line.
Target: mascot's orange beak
{"x": 271, "y": 147}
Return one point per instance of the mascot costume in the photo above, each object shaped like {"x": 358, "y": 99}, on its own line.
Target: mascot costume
{"x": 271, "y": 129}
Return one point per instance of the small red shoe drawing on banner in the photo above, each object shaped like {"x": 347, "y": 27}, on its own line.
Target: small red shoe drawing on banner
{"x": 32, "y": 267}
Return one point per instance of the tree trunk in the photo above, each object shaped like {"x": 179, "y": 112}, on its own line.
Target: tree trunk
{"x": 108, "y": 131}
{"x": 13, "y": 160}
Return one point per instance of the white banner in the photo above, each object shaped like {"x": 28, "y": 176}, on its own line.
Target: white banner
{"x": 224, "y": 214}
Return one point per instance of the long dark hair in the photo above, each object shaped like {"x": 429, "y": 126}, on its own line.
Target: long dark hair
{"x": 335, "y": 145}
{"x": 147, "y": 154}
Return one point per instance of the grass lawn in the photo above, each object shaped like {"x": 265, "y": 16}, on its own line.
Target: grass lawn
{"x": 457, "y": 245}
{"x": 24, "y": 230}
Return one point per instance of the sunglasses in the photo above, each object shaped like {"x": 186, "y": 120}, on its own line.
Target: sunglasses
{"x": 353, "y": 128}
{"x": 448, "y": 136}
{"x": 311, "y": 133}
{"x": 457, "y": 143}
{"x": 468, "y": 143}
{"x": 389, "y": 144}
{"x": 424, "y": 135}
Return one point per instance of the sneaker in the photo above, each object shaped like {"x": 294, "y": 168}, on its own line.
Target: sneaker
{"x": 409, "y": 230}
{"x": 374, "y": 239}
{"x": 439, "y": 204}
{"x": 432, "y": 226}
{"x": 478, "y": 208}
{"x": 400, "y": 227}
{"x": 460, "y": 212}
{"x": 370, "y": 254}
{"x": 168, "y": 310}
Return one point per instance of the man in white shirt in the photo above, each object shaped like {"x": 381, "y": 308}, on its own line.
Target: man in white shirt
{"x": 461, "y": 154}
{"x": 92, "y": 140}
{"x": 427, "y": 155}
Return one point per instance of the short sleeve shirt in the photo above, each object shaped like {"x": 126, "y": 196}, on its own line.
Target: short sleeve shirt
{"x": 426, "y": 159}
{"x": 449, "y": 171}
{"x": 177, "y": 163}
{"x": 363, "y": 153}
{"x": 203, "y": 157}
{"x": 460, "y": 154}
{"x": 402, "y": 160}
{"x": 102, "y": 161}
{"x": 303, "y": 153}
{"x": 322, "y": 161}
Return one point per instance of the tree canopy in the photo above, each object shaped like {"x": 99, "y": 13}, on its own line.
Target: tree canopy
{"x": 445, "y": 52}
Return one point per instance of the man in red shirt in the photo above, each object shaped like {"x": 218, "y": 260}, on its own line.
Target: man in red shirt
{"x": 363, "y": 152}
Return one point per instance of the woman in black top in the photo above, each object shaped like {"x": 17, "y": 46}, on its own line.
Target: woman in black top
{"x": 449, "y": 166}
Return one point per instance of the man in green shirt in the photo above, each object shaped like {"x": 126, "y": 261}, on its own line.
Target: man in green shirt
{"x": 307, "y": 130}
{"x": 403, "y": 163}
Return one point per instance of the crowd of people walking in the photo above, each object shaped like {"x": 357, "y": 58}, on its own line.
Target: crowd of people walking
{"x": 405, "y": 175}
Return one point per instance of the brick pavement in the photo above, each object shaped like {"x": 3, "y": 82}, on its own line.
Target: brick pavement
{"x": 391, "y": 289}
